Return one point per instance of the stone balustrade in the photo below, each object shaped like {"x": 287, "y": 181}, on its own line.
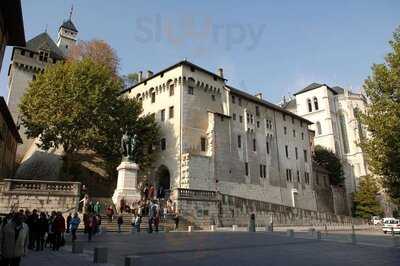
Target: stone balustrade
{"x": 40, "y": 187}
{"x": 36, "y": 194}
{"x": 194, "y": 194}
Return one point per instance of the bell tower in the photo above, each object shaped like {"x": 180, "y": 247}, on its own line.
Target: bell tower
{"x": 67, "y": 34}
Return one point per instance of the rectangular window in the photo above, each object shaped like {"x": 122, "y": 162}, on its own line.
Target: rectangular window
{"x": 284, "y": 117}
{"x": 298, "y": 176}
{"x": 239, "y": 141}
{"x": 171, "y": 112}
{"x": 163, "y": 115}
{"x": 254, "y": 145}
{"x": 240, "y": 118}
{"x": 171, "y": 90}
{"x": 258, "y": 124}
{"x": 292, "y": 120}
{"x": 190, "y": 90}
{"x": 163, "y": 144}
{"x": 265, "y": 170}
{"x": 257, "y": 111}
{"x": 307, "y": 178}
{"x": 302, "y": 135}
{"x": 213, "y": 97}
{"x": 287, "y": 151}
{"x": 246, "y": 168}
{"x": 203, "y": 144}
{"x": 251, "y": 119}
{"x": 233, "y": 99}
{"x": 234, "y": 116}
{"x": 296, "y": 153}
{"x": 305, "y": 155}
{"x": 261, "y": 170}
{"x": 317, "y": 179}
{"x": 294, "y": 133}
{"x": 240, "y": 101}
{"x": 153, "y": 97}
{"x": 289, "y": 175}
{"x": 284, "y": 130}
{"x": 267, "y": 147}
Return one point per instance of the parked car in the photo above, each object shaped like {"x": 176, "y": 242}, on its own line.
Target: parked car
{"x": 375, "y": 220}
{"x": 389, "y": 224}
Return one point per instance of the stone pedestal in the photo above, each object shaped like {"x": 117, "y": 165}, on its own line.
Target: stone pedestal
{"x": 126, "y": 184}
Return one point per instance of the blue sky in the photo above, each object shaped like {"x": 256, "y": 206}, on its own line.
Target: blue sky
{"x": 264, "y": 46}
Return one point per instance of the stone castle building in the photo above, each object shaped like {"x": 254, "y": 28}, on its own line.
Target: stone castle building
{"x": 334, "y": 113}
{"x": 40, "y": 52}
{"x": 218, "y": 138}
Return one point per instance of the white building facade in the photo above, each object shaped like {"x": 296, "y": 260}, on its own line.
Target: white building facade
{"x": 333, "y": 112}
{"x": 218, "y": 138}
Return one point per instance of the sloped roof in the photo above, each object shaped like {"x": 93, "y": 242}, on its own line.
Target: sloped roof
{"x": 69, "y": 25}
{"x": 291, "y": 104}
{"x": 265, "y": 103}
{"x": 338, "y": 89}
{"x": 313, "y": 86}
{"x": 44, "y": 41}
{"x": 5, "y": 112}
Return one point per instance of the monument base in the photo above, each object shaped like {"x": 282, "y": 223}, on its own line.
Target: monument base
{"x": 126, "y": 184}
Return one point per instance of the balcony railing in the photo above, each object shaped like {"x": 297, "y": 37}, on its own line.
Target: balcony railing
{"x": 40, "y": 187}
{"x": 195, "y": 194}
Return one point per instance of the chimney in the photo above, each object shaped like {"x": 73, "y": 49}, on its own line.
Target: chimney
{"x": 140, "y": 76}
{"x": 259, "y": 95}
{"x": 149, "y": 74}
{"x": 220, "y": 72}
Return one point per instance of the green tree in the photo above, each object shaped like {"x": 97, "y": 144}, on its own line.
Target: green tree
{"x": 130, "y": 79}
{"x": 382, "y": 120}
{"x": 365, "y": 201}
{"x": 77, "y": 105}
{"x": 331, "y": 163}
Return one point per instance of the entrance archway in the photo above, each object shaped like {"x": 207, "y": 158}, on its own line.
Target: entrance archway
{"x": 163, "y": 181}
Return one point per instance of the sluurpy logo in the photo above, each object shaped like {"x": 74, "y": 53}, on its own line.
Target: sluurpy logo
{"x": 198, "y": 32}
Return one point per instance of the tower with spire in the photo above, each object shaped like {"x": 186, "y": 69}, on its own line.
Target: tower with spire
{"x": 67, "y": 34}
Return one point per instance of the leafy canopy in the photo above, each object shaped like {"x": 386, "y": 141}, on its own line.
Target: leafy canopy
{"x": 365, "y": 201}
{"x": 76, "y": 105}
{"x": 331, "y": 163}
{"x": 382, "y": 119}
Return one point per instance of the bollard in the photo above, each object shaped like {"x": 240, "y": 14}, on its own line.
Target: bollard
{"x": 311, "y": 231}
{"x": 77, "y": 247}
{"x": 212, "y": 228}
{"x": 318, "y": 235}
{"x": 100, "y": 255}
{"x": 290, "y": 233}
{"x": 353, "y": 235}
{"x": 190, "y": 228}
{"x": 132, "y": 261}
{"x": 326, "y": 230}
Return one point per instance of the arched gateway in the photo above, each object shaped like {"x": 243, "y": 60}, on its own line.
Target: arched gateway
{"x": 163, "y": 179}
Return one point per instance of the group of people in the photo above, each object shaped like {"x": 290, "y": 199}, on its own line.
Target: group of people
{"x": 24, "y": 230}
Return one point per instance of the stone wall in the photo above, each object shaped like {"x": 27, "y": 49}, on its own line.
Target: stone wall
{"x": 40, "y": 195}
{"x": 203, "y": 208}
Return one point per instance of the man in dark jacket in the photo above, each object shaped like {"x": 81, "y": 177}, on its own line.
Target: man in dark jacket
{"x": 59, "y": 229}
{"x": 43, "y": 227}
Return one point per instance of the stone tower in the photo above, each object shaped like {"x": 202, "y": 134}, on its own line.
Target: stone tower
{"x": 67, "y": 35}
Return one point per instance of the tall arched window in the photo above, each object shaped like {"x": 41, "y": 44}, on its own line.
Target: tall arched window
{"x": 309, "y": 105}
{"x": 315, "y": 103}
{"x": 319, "y": 129}
{"x": 343, "y": 128}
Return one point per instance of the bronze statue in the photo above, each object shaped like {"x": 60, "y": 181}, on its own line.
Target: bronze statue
{"x": 129, "y": 147}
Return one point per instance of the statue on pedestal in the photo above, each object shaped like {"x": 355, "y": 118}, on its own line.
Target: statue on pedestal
{"x": 129, "y": 147}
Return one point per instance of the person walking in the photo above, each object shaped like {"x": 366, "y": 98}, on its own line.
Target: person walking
{"x": 69, "y": 217}
{"x": 110, "y": 213}
{"x": 120, "y": 221}
{"x": 75, "y": 221}
{"x": 13, "y": 241}
{"x": 91, "y": 226}
{"x": 138, "y": 221}
{"x": 176, "y": 219}
{"x": 43, "y": 227}
{"x": 152, "y": 215}
{"x": 50, "y": 232}
{"x": 59, "y": 229}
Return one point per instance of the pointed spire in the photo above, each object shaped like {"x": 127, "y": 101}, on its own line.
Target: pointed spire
{"x": 70, "y": 12}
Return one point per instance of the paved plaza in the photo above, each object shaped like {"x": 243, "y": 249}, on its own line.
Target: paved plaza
{"x": 230, "y": 248}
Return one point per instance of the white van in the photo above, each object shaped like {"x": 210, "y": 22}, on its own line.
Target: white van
{"x": 389, "y": 224}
